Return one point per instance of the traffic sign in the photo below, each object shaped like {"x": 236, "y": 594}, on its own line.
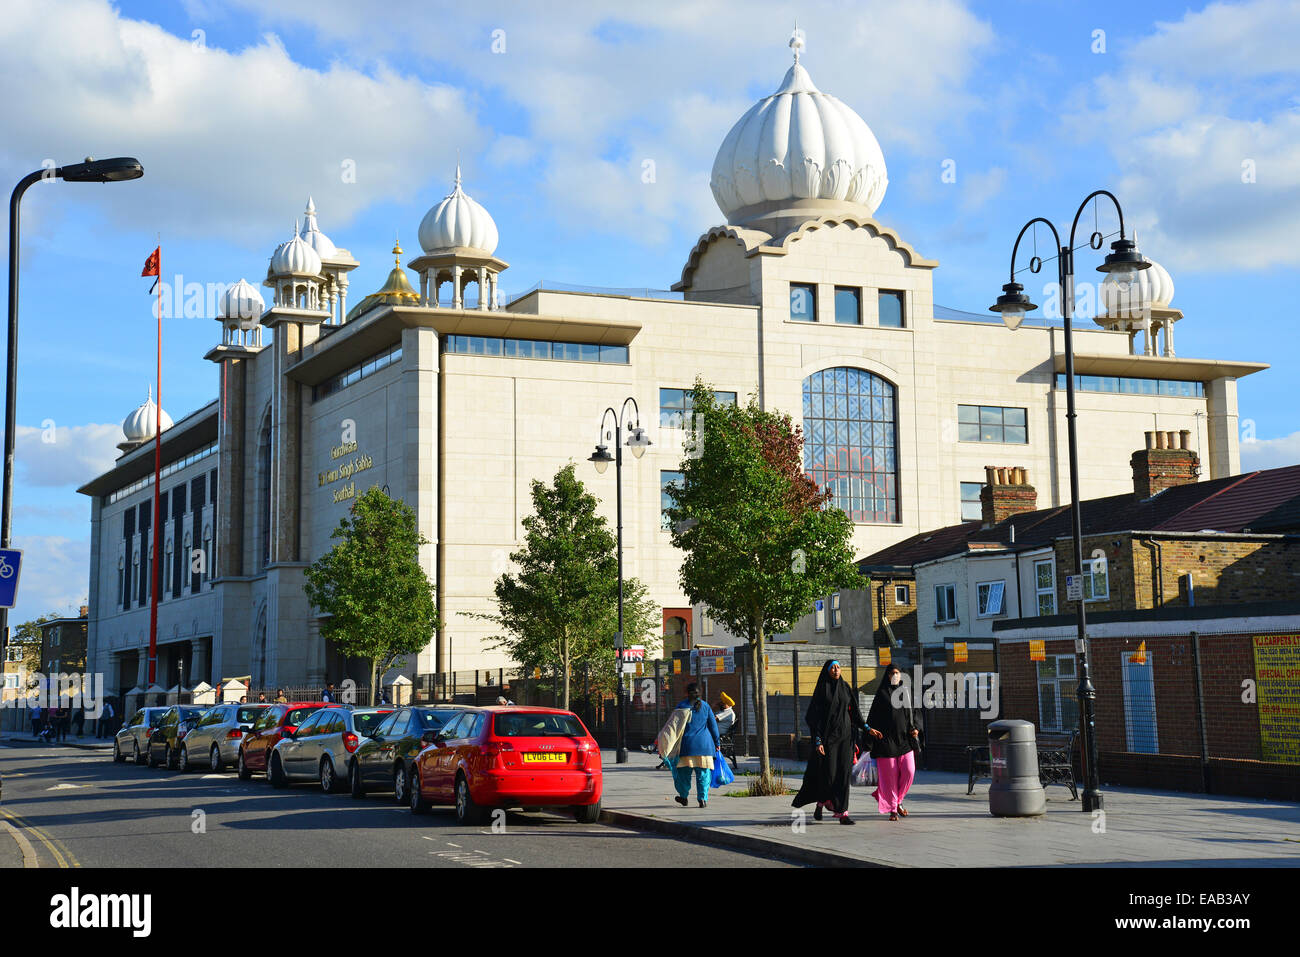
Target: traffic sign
{"x": 1074, "y": 588}
{"x": 11, "y": 562}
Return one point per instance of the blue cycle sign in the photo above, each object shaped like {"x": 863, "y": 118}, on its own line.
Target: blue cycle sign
{"x": 11, "y": 561}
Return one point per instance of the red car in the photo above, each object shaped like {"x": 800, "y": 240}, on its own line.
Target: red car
{"x": 276, "y": 722}
{"x": 505, "y": 757}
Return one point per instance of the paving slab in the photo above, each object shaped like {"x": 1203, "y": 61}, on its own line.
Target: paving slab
{"x": 946, "y": 827}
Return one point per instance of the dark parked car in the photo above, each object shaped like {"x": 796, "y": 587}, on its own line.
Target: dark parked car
{"x": 383, "y": 762}
{"x": 175, "y": 723}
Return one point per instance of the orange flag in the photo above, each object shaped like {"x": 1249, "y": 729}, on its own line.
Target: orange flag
{"x": 151, "y": 265}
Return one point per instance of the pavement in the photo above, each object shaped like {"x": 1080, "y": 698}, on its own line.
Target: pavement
{"x": 946, "y": 827}
{"x": 85, "y": 742}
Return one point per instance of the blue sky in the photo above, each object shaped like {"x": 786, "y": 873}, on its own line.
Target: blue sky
{"x": 240, "y": 110}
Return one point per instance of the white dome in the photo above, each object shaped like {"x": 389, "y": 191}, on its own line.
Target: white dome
{"x": 1153, "y": 287}
{"x": 241, "y": 306}
{"x": 312, "y": 235}
{"x": 142, "y": 423}
{"x": 295, "y": 258}
{"x": 458, "y": 221}
{"x": 798, "y": 144}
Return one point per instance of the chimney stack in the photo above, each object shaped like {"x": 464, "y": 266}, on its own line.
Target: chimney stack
{"x": 1167, "y": 460}
{"x": 1006, "y": 492}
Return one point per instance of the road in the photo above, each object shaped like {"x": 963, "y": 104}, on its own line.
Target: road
{"x": 64, "y": 807}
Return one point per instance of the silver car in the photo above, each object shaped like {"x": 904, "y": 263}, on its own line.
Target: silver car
{"x": 132, "y": 739}
{"x": 215, "y": 739}
{"x": 322, "y": 745}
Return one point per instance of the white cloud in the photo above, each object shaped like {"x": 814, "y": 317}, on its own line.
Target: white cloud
{"x": 1201, "y": 120}
{"x": 231, "y": 142}
{"x": 54, "y": 576}
{"x": 1270, "y": 453}
{"x": 65, "y": 455}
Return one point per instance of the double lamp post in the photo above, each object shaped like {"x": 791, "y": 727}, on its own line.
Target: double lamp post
{"x": 1123, "y": 264}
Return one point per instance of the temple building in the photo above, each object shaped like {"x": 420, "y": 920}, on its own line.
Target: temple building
{"x": 438, "y": 389}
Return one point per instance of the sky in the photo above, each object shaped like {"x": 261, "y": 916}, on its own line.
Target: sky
{"x": 588, "y": 130}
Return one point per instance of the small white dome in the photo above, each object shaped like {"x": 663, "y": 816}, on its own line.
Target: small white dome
{"x": 295, "y": 258}
{"x": 797, "y": 144}
{"x": 312, "y": 235}
{"x": 1153, "y": 287}
{"x": 458, "y": 221}
{"x": 142, "y": 424}
{"x": 241, "y": 306}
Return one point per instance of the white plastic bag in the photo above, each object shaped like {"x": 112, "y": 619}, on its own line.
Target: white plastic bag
{"x": 864, "y": 771}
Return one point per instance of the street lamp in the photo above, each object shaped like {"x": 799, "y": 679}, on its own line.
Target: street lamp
{"x": 91, "y": 171}
{"x": 1123, "y": 263}
{"x": 638, "y": 442}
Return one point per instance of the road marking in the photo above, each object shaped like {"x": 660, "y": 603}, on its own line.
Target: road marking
{"x": 213, "y": 777}
{"x": 67, "y": 787}
{"x": 24, "y": 845}
{"x": 449, "y": 844}
{"x": 480, "y": 852}
{"x": 52, "y": 844}
{"x": 427, "y": 837}
{"x": 512, "y": 861}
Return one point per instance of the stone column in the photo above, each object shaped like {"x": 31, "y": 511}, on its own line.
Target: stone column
{"x": 1221, "y": 417}
{"x": 457, "y": 301}
{"x": 1169, "y": 338}
{"x": 424, "y": 288}
{"x": 343, "y": 298}
{"x": 229, "y": 532}
{"x": 492, "y": 298}
{"x": 285, "y": 466}
{"x": 482, "y": 288}
{"x": 198, "y": 662}
{"x": 1148, "y": 344}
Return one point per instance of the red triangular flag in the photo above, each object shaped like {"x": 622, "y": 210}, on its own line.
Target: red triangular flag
{"x": 151, "y": 264}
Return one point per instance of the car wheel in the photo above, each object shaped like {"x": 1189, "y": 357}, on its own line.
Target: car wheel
{"x": 467, "y": 812}
{"x": 329, "y": 781}
{"x": 276, "y": 773}
{"x": 354, "y": 780}
{"x": 135, "y": 753}
{"x": 151, "y": 760}
{"x": 185, "y": 760}
{"x": 214, "y": 758}
{"x": 118, "y": 756}
{"x": 399, "y": 785}
{"x": 587, "y": 813}
{"x": 244, "y": 773}
{"x": 418, "y": 804}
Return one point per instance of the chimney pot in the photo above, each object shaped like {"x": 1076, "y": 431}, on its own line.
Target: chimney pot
{"x": 1185, "y": 439}
{"x": 1160, "y": 440}
{"x": 1151, "y": 439}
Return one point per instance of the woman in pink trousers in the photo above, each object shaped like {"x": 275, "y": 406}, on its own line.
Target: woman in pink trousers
{"x": 892, "y": 728}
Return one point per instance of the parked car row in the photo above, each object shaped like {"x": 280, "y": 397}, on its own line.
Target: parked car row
{"x": 474, "y": 759}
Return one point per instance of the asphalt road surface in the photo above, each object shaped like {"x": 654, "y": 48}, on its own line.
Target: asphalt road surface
{"x": 64, "y": 807}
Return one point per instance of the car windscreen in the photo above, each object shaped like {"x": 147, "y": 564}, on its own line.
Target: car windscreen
{"x": 434, "y": 720}
{"x": 191, "y": 712}
{"x": 298, "y": 715}
{"x": 367, "y": 721}
{"x": 248, "y": 715}
{"x": 523, "y": 724}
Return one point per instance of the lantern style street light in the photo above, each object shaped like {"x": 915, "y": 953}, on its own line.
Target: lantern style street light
{"x": 638, "y": 442}
{"x": 91, "y": 171}
{"x": 1123, "y": 264}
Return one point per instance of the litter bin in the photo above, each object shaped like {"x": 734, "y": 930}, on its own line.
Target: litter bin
{"x": 1013, "y": 761}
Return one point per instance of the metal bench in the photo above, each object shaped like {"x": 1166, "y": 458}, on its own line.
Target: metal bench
{"x": 1055, "y": 762}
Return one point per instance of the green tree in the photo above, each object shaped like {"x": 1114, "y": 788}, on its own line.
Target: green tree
{"x": 561, "y": 607}
{"x": 378, "y": 600}
{"x": 27, "y": 636}
{"x": 761, "y": 540}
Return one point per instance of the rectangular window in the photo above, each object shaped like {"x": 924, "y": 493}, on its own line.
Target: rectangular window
{"x": 989, "y": 596}
{"x": 1096, "y": 585}
{"x": 665, "y": 503}
{"x": 1134, "y": 386}
{"x": 848, "y": 306}
{"x": 674, "y": 404}
{"x": 945, "y": 602}
{"x": 902, "y": 595}
{"x": 837, "y": 617}
{"x": 706, "y": 623}
{"x": 1045, "y": 588}
{"x": 891, "y": 308}
{"x": 971, "y": 509}
{"x": 1058, "y": 702}
{"x": 819, "y": 615}
{"x": 803, "y": 302}
{"x": 992, "y": 423}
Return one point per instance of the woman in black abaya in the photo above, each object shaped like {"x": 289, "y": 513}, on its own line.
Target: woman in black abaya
{"x": 834, "y": 720}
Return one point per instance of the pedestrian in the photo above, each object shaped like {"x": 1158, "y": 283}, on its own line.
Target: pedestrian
{"x": 726, "y": 716}
{"x": 243, "y": 699}
{"x": 834, "y": 722}
{"x": 105, "y": 720}
{"x": 79, "y": 721}
{"x": 281, "y": 697}
{"x": 892, "y": 724}
{"x": 503, "y": 700}
{"x": 327, "y": 694}
{"x": 34, "y": 713}
{"x": 698, "y": 745}
{"x": 61, "y": 721}
{"x": 669, "y": 740}
{"x": 261, "y": 697}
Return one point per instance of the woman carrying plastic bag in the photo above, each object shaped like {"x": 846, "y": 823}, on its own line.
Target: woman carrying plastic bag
{"x": 864, "y": 771}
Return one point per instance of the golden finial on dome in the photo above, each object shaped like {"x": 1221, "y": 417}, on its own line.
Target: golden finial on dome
{"x": 397, "y": 252}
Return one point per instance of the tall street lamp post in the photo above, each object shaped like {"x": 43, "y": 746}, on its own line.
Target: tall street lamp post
{"x": 638, "y": 443}
{"x": 1122, "y": 264}
{"x": 91, "y": 171}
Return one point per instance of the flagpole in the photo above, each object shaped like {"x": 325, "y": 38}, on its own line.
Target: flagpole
{"x": 157, "y": 518}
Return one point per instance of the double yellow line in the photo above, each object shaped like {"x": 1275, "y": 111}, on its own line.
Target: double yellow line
{"x": 58, "y": 850}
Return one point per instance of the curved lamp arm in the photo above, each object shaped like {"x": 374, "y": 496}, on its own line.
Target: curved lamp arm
{"x": 636, "y": 407}
{"x": 1084, "y": 205}
{"x": 1016, "y": 248}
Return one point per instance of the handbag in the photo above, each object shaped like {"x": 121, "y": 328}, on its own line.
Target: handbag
{"x": 864, "y": 771}
{"x": 722, "y": 773}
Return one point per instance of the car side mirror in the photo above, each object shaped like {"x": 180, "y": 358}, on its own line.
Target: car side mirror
{"x": 431, "y": 737}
